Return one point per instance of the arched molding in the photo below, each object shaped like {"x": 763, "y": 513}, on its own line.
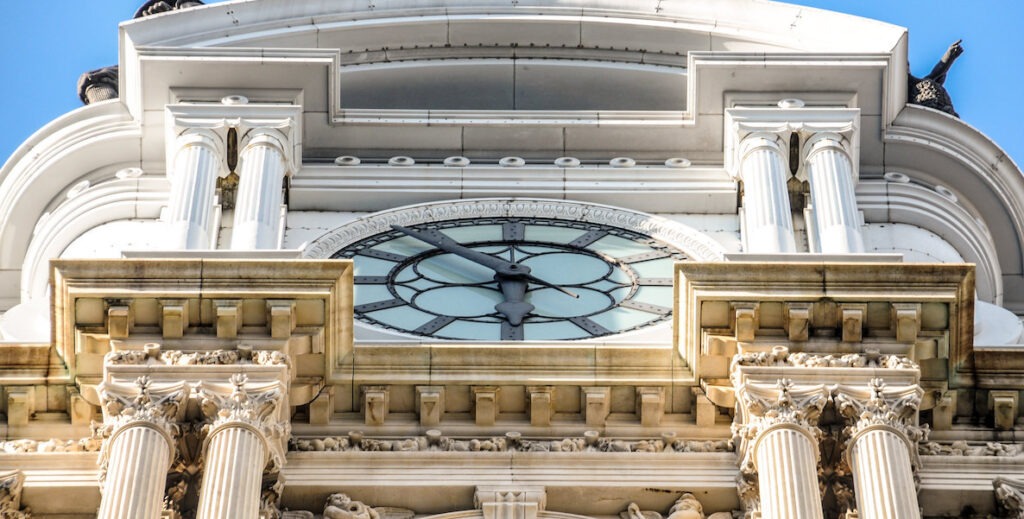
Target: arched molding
{"x": 691, "y": 241}
{"x": 55, "y": 157}
{"x": 104, "y": 202}
{"x": 915, "y": 204}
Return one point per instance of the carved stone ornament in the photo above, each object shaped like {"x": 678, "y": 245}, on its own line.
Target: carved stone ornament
{"x": 765, "y": 407}
{"x": 11, "y": 483}
{"x": 340, "y": 506}
{"x": 633, "y": 511}
{"x": 152, "y": 7}
{"x": 1010, "y": 496}
{"x": 686, "y": 507}
{"x": 145, "y": 404}
{"x": 254, "y": 406}
{"x": 781, "y": 356}
{"x": 929, "y": 90}
{"x": 435, "y": 441}
{"x": 241, "y": 356}
{"x": 98, "y": 85}
{"x": 962, "y": 448}
{"x": 877, "y": 406}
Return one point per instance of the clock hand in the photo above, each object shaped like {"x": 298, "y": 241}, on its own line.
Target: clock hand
{"x": 514, "y": 307}
{"x": 498, "y": 265}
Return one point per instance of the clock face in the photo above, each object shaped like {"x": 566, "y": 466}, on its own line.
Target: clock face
{"x": 512, "y": 279}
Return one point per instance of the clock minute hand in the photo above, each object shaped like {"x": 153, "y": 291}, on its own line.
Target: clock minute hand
{"x": 498, "y": 265}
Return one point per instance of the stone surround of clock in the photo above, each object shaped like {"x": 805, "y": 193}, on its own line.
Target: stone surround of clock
{"x": 597, "y": 270}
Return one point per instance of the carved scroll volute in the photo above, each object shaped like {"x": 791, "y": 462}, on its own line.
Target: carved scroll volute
{"x": 257, "y": 407}
{"x": 145, "y": 404}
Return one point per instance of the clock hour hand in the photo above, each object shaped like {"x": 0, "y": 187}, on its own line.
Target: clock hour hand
{"x": 498, "y": 265}
{"x": 514, "y": 307}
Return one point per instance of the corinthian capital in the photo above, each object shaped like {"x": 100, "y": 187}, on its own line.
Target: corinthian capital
{"x": 11, "y": 483}
{"x": 143, "y": 403}
{"x": 766, "y": 406}
{"x": 257, "y": 407}
{"x": 879, "y": 406}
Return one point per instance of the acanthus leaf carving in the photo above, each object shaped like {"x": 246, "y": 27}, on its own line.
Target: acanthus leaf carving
{"x": 142, "y": 403}
{"x": 1010, "y": 496}
{"x": 11, "y": 484}
{"x": 255, "y": 406}
{"x": 878, "y": 405}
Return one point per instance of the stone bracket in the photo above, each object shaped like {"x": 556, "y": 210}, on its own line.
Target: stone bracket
{"x": 120, "y": 321}
{"x": 596, "y": 404}
{"x": 281, "y": 318}
{"x": 853, "y": 317}
{"x": 906, "y": 319}
{"x": 376, "y": 403}
{"x": 430, "y": 403}
{"x": 797, "y": 321}
{"x": 1004, "y": 408}
{"x": 174, "y": 317}
{"x": 542, "y": 406}
{"x": 229, "y": 317}
{"x": 21, "y": 404}
{"x": 746, "y": 321}
{"x": 485, "y": 410}
{"x": 650, "y": 405}
{"x": 322, "y": 407}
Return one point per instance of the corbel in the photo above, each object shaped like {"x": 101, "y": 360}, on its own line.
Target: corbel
{"x": 120, "y": 320}
{"x": 746, "y": 320}
{"x": 906, "y": 318}
{"x": 21, "y": 405}
{"x": 229, "y": 317}
{"x": 281, "y": 318}
{"x": 376, "y": 400}
{"x": 430, "y": 402}
{"x": 650, "y": 404}
{"x": 796, "y": 318}
{"x": 322, "y": 407}
{"x": 542, "y": 407}
{"x": 485, "y": 409}
{"x": 852, "y": 316}
{"x": 1004, "y": 408}
{"x": 174, "y": 318}
{"x": 596, "y": 404}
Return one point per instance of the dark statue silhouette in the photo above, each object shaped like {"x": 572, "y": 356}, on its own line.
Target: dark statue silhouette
{"x": 929, "y": 91}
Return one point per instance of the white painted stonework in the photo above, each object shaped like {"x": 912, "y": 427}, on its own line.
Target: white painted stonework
{"x": 613, "y": 259}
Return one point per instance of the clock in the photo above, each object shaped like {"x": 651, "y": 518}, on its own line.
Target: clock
{"x": 511, "y": 278}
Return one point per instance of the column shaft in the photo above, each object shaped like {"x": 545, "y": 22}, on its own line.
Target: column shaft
{"x": 883, "y": 476}
{"x": 235, "y": 458}
{"x": 787, "y": 469}
{"x": 836, "y": 219}
{"x": 768, "y": 222}
{"x": 260, "y": 194}
{"x": 136, "y": 474}
{"x": 193, "y": 185}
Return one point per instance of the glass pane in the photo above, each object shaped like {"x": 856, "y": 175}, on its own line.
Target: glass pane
{"x": 617, "y": 247}
{"x": 552, "y": 303}
{"x": 552, "y": 234}
{"x": 459, "y": 301}
{"x": 553, "y": 331}
{"x": 564, "y": 268}
{"x": 474, "y": 233}
{"x": 623, "y": 318}
{"x": 404, "y": 317}
{"x": 661, "y": 296}
{"x": 371, "y": 293}
{"x": 449, "y": 268}
{"x": 659, "y": 268}
{"x": 405, "y": 246}
{"x": 468, "y": 330}
{"x": 365, "y": 266}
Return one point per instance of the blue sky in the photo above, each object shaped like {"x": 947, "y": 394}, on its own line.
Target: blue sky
{"x": 46, "y": 45}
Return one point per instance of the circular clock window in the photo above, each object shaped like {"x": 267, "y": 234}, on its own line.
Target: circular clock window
{"x": 556, "y": 276}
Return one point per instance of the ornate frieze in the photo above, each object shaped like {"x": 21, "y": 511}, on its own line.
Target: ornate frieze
{"x": 434, "y": 441}
{"x": 242, "y": 355}
{"x": 780, "y": 356}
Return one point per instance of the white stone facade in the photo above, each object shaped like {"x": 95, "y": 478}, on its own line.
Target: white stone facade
{"x": 470, "y": 259}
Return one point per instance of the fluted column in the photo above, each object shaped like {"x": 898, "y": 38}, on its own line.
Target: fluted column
{"x": 140, "y": 427}
{"x": 829, "y": 172}
{"x": 198, "y": 161}
{"x": 263, "y": 163}
{"x": 245, "y": 435}
{"x": 881, "y": 447}
{"x": 767, "y": 219}
{"x": 779, "y": 449}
